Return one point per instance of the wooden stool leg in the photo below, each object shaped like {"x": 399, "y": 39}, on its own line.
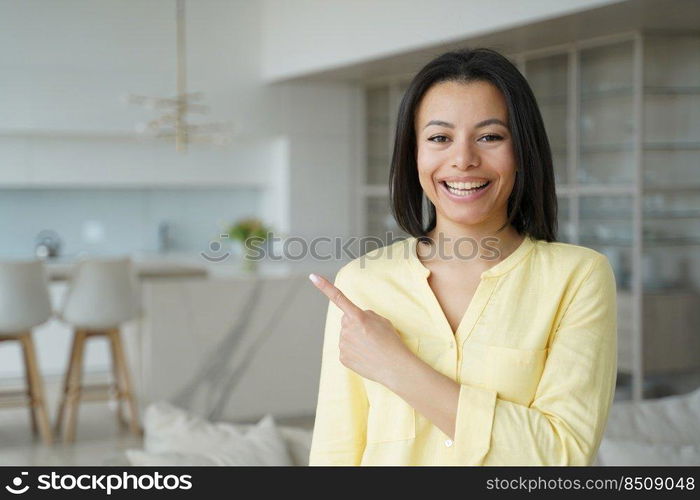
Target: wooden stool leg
{"x": 28, "y": 381}
{"x": 36, "y": 389}
{"x": 58, "y": 426}
{"x": 74, "y": 382}
{"x": 126, "y": 389}
{"x": 119, "y": 384}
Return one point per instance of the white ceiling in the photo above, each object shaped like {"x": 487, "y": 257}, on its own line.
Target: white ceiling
{"x": 611, "y": 19}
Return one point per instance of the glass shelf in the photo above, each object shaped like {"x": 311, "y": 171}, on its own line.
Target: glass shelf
{"x": 672, "y": 146}
{"x": 672, "y": 118}
{"x": 666, "y": 242}
{"x": 378, "y": 132}
{"x": 565, "y": 228}
{"x": 629, "y": 91}
{"x": 672, "y": 215}
{"x": 595, "y": 242}
{"x": 608, "y": 242}
{"x": 606, "y": 94}
{"x": 606, "y": 121}
{"x": 671, "y": 189}
{"x": 650, "y": 215}
{"x": 611, "y": 236}
{"x": 671, "y": 202}
{"x": 597, "y": 188}
{"x": 606, "y": 148}
{"x": 671, "y": 61}
{"x": 548, "y": 77}
{"x": 649, "y": 90}
{"x": 607, "y": 68}
{"x": 657, "y": 243}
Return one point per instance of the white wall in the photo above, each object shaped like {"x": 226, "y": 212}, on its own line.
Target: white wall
{"x": 304, "y": 36}
{"x": 323, "y": 153}
{"x": 66, "y": 65}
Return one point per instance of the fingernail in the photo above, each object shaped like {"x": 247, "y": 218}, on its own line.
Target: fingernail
{"x": 314, "y": 278}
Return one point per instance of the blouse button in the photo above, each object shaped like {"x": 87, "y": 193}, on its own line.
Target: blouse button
{"x": 448, "y": 442}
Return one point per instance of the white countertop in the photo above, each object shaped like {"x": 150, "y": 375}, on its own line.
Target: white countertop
{"x": 190, "y": 265}
{"x": 62, "y": 269}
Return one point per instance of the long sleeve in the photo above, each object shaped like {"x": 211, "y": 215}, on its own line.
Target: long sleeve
{"x": 341, "y": 412}
{"x": 566, "y": 420}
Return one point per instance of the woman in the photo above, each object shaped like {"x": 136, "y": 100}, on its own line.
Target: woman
{"x": 479, "y": 340}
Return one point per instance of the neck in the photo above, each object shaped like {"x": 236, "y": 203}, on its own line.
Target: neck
{"x": 481, "y": 243}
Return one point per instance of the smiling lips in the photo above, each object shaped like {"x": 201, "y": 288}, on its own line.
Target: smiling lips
{"x": 464, "y": 189}
{"x": 465, "y": 185}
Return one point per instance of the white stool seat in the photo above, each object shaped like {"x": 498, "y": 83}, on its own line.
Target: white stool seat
{"x": 24, "y": 295}
{"x": 103, "y": 293}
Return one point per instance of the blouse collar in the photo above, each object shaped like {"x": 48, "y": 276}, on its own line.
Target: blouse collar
{"x": 500, "y": 268}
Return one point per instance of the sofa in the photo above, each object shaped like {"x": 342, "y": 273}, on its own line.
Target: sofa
{"x": 664, "y": 431}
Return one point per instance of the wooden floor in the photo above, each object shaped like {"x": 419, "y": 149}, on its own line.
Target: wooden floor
{"x": 99, "y": 440}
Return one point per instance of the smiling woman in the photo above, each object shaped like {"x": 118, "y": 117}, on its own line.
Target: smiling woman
{"x": 505, "y": 356}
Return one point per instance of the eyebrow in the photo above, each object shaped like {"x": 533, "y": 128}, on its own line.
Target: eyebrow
{"x": 483, "y": 123}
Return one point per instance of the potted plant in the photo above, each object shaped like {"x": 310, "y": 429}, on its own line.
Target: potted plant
{"x": 251, "y": 233}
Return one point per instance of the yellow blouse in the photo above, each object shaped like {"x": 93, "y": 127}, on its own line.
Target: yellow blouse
{"x": 535, "y": 354}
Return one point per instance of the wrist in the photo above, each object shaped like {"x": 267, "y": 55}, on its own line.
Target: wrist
{"x": 401, "y": 372}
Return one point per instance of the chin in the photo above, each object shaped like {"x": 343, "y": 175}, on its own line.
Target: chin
{"x": 466, "y": 219}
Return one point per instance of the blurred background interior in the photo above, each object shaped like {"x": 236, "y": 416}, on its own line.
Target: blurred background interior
{"x": 134, "y": 135}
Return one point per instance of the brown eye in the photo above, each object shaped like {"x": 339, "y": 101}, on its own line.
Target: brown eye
{"x": 492, "y": 137}
{"x": 438, "y": 138}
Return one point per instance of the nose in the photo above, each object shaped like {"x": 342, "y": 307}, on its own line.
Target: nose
{"x": 465, "y": 155}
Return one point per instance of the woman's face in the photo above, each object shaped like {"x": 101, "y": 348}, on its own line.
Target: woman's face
{"x": 463, "y": 142}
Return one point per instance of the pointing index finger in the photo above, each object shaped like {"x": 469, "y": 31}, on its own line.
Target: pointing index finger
{"x": 335, "y": 295}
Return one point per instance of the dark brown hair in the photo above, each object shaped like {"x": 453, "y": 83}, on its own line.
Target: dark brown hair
{"x": 532, "y": 206}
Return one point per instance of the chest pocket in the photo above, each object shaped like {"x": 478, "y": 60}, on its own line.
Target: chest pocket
{"x": 390, "y": 418}
{"x": 513, "y": 373}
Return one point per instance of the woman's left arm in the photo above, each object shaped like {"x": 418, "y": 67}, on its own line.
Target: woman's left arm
{"x": 566, "y": 420}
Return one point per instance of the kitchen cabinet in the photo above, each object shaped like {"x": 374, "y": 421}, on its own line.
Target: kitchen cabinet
{"x": 249, "y": 345}
{"x": 50, "y": 159}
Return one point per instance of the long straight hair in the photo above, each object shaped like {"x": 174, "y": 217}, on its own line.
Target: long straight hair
{"x": 532, "y": 205}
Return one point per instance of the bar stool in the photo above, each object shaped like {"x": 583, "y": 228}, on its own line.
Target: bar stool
{"x": 102, "y": 295}
{"x": 24, "y": 304}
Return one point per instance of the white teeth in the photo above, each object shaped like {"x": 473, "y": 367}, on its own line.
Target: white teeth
{"x": 463, "y": 192}
{"x": 465, "y": 185}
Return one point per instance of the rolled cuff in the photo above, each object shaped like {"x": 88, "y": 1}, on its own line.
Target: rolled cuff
{"x": 473, "y": 425}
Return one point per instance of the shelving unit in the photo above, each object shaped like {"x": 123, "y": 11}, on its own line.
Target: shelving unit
{"x": 623, "y": 118}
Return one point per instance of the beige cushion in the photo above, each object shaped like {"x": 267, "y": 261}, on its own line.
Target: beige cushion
{"x": 660, "y": 431}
